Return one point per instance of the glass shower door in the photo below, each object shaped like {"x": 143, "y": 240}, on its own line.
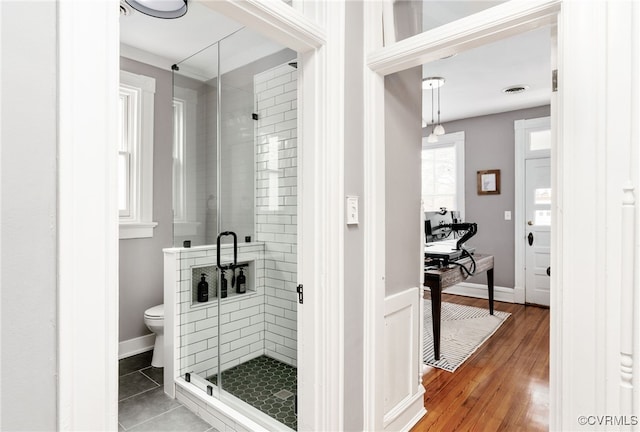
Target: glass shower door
{"x": 258, "y": 190}
{"x": 235, "y": 201}
{"x": 196, "y": 208}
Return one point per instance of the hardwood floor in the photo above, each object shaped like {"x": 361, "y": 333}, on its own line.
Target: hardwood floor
{"x": 504, "y": 386}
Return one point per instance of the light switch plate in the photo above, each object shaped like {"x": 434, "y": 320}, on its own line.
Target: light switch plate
{"x": 507, "y": 215}
{"x": 352, "y": 210}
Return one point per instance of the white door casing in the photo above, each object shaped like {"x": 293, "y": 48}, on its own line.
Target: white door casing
{"x": 537, "y": 213}
{"x": 321, "y": 192}
{"x": 595, "y": 163}
{"x": 496, "y": 23}
{"x": 321, "y": 187}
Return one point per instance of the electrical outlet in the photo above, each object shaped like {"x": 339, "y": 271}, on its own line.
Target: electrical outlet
{"x": 352, "y": 210}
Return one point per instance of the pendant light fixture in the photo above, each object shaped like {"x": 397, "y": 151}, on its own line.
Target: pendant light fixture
{"x": 432, "y": 138}
{"x": 167, "y": 9}
{"x": 432, "y": 83}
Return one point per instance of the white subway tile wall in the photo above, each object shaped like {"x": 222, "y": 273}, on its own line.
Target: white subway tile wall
{"x": 276, "y": 205}
{"x": 241, "y": 336}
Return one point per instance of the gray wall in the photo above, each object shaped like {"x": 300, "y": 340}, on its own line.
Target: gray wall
{"x": 490, "y": 144}
{"x": 353, "y": 234}
{"x": 141, "y": 260}
{"x": 403, "y": 147}
{"x": 28, "y": 387}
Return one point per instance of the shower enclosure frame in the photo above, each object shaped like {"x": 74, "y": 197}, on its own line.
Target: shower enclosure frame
{"x": 258, "y": 327}
{"x": 320, "y": 234}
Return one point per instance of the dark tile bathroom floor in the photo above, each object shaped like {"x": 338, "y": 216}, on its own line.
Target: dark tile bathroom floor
{"x": 143, "y": 406}
{"x": 266, "y": 384}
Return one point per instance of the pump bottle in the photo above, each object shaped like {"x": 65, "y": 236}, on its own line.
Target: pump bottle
{"x": 223, "y": 285}
{"x": 241, "y": 283}
{"x": 203, "y": 289}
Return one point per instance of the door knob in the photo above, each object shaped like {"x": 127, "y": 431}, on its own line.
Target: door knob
{"x": 529, "y": 223}
{"x": 530, "y": 238}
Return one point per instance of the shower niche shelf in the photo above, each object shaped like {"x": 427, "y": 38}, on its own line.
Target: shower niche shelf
{"x": 211, "y": 272}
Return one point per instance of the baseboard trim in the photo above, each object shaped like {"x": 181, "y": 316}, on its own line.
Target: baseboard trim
{"x": 407, "y": 413}
{"x": 502, "y": 294}
{"x": 135, "y": 346}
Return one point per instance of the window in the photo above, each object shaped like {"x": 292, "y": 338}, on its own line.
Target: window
{"x": 135, "y": 156}
{"x": 178, "y": 161}
{"x": 185, "y": 103}
{"x": 443, "y": 173}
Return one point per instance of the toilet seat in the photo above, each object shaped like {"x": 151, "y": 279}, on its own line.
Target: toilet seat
{"x": 155, "y": 313}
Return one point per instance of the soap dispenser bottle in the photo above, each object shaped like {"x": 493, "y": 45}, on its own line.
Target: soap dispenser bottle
{"x": 223, "y": 285}
{"x": 241, "y": 283}
{"x": 203, "y": 289}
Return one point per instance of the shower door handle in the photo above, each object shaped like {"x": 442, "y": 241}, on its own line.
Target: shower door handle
{"x": 235, "y": 250}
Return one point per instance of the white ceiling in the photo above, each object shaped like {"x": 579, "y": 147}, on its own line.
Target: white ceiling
{"x": 164, "y": 42}
{"x": 474, "y": 79}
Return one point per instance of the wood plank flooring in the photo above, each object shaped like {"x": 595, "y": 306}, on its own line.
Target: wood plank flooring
{"x": 504, "y": 386}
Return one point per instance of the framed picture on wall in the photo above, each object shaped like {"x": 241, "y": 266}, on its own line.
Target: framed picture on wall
{"x": 488, "y": 182}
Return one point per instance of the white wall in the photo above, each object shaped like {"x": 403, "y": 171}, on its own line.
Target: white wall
{"x": 28, "y": 387}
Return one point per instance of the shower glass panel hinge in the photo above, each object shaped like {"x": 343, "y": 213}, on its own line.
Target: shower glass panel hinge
{"x": 300, "y": 294}
{"x": 554, "y": 80}
{"x": 187, "y": 377}
{"x": 210, "y": 390}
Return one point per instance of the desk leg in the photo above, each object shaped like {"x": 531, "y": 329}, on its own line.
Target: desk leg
{"x": 436, "y": 309}
{"x": 490, "y": 284}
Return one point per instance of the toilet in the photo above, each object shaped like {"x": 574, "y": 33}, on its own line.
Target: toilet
{"x": 154, "y": 320}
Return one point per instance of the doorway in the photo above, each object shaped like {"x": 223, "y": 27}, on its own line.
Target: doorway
{"x": 538, "y": 216}
{"x": 236, "y": 307}
{"x": 432, "y": 46}
{"x": 533, "y": 142}
{"x": 473, "y": 102}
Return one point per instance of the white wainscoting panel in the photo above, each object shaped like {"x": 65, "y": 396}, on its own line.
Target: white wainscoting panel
{"x": 402, "y": 363}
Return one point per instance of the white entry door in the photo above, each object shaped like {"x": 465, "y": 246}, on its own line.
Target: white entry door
{"x": 538, "y": 230}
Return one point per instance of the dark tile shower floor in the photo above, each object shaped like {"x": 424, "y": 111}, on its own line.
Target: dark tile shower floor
{"x": 266, "y": 384}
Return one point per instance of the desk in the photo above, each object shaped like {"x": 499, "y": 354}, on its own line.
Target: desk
{"x": 439, "y": 279}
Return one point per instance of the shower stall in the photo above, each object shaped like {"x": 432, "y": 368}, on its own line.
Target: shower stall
{"x": 231, "y": 276}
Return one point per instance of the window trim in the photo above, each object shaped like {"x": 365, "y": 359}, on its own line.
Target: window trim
{"x": 139, "y": 223}
{"x": 456, "y": 140}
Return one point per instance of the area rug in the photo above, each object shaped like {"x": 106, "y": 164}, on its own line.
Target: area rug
{"x": 462, "y": 330}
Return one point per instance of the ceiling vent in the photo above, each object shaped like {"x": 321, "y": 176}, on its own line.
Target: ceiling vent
{"x": 515, "y": 89}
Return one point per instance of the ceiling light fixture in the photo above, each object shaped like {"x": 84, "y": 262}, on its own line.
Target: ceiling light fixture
{"x": 429, "y": 84}
{"x": 166, "y": 9}
{"x": 125, "y": 10}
